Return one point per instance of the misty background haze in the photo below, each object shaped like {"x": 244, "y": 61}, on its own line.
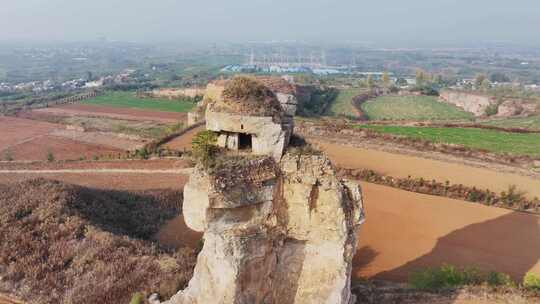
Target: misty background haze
{"x": 391, "y": 22}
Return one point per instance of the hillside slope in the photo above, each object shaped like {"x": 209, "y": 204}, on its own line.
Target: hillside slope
{"x": 61, "y": 243}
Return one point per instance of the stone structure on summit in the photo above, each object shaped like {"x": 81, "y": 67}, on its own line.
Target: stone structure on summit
{"x": 279, "y": 225}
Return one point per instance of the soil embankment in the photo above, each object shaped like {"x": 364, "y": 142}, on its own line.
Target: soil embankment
{"x": 399, "y": 165}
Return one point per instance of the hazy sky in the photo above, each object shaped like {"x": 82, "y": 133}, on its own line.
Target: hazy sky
{"x": 398, "y": 21}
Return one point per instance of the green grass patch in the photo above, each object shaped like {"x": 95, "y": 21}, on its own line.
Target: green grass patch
{"x": 342, "y": 104}
{"x": 491, "y": 140}
{"x": 130, "y": 100}
{"x": 449, "y": 277}
{"x": 531, "y": 281}
{"x": 531, "y": 123}
{"x": 148, "y": 132}
{"x": 417, "y": 108}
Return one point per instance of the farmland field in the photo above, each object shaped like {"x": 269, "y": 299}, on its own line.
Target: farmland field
{"x": 112, "y": 112}
{"x": 494, "y": 141}
{"x": 26, "y": 139}
{"x": 342, "y": 104}
{"x": 401, "y": 165}
{"x": 60, "y": 148}
{"x": 418, "y": 108}
{"x": 129, "y": 100}
{"x": 14, "y": 131}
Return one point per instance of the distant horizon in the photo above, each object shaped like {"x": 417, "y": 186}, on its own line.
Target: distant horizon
{"x": 392, "y": 23}
{"x": 323, "y": 43}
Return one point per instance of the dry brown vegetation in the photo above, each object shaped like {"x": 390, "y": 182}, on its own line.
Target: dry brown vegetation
{"x": 61, "y": 243}
{"x": 246, "y": 95}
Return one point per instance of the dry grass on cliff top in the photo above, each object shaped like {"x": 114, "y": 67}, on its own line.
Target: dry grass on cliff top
{"x": 246, "y": 95}
{"x": 62, "y": 243}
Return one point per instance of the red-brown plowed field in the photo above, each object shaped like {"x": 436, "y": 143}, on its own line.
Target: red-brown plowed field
{"x": 61, "y": 148}
{"x": 115, "y": 112}
{"x": 16, "y": 130}
{"x": 183, "y": 142}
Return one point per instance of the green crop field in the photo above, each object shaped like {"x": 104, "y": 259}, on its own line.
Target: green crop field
{"x": 129, "y": 100}
{"x": 417, "y": 108}
{"x": 342, "y": 104}
{"x": 494, "y": 141}
{"x": 532, "y": 123}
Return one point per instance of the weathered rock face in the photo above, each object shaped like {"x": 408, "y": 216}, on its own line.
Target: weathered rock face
{"x": 274, "y": 232}
{"x": 288, "y": 102}
{"x": 474, "y": 103}
{"x": 511, "y": 107}
{"x": 268, "y": 137}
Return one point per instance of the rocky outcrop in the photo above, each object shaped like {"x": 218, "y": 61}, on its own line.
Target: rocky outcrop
{"x": 478, "y": 104}
{"x": 509, "y": 108}
{"x": 474, "y": 103}
{"x": 274, "y": 232}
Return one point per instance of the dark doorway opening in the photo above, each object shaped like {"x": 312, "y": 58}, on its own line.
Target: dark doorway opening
{"x": 244, "y": 141}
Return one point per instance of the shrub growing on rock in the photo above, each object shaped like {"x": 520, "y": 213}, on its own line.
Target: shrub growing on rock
{"x": 204, "y": 147}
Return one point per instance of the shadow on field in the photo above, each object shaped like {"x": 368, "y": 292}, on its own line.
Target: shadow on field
{"x": 364, "y": 256}
{"x": 135, "y": 214}
{"x": 509, "y": 244}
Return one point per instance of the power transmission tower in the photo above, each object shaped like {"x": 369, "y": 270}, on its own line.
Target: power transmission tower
{"x": 252, "y": 58}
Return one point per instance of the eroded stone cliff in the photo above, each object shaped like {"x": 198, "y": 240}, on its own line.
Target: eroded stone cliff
{"x": 274, "y": 232}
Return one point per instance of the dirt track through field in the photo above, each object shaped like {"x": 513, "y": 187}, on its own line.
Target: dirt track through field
{"x": 399, "y": 165}
{"x": 104, "y": 171}
{"x": 109, "y": 181}
{"x": 183, "y": 142}
{"x": 4, "y": 299}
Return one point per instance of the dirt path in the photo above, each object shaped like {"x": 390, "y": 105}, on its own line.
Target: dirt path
{"x": 8, "y": 300}
{"x": 183, "y": 142}
{"x": 151, "y": 164}
{"x": 399, "y": 165}
{"x": 104, "y": 171}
